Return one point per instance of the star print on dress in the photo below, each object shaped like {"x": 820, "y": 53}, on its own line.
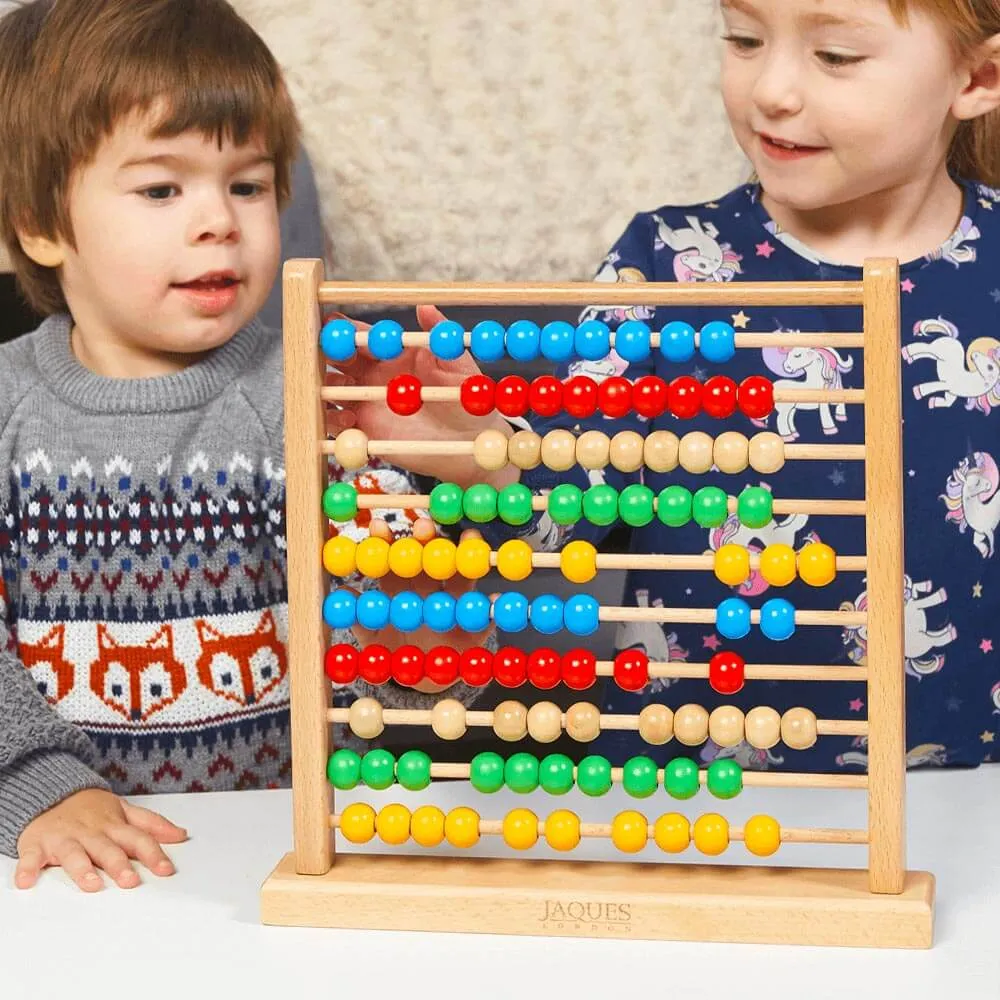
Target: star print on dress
{"x": 995, "y": 295}
{"x": 856, "y": 705}
{"x": 741, "y": 320}
{"x": 764, "y": 249}
{"x": 986, "y": 646}
{"x": 711, "y": 642}
{"x": 977, "y": 590}
{"x": 986, "y": 736}
{"x": 837, "y": 476}
{"x": 907, "y": 286}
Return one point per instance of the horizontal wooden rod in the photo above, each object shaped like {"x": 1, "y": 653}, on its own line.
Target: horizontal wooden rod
{"x": 669, "y": 561}
{"x": 706, "y": 616}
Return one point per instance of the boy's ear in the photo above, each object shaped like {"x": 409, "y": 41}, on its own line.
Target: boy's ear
{"x": 981, "y": 93}
{"x": 42, "y": 250}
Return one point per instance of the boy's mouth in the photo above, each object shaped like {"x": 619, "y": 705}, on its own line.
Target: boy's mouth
{"x": 212, "y": 281}
{"x": 212, "y": 293}
{"x": 784, "y": 149}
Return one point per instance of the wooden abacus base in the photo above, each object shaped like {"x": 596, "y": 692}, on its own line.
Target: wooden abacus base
{"x": 810, "y": 906}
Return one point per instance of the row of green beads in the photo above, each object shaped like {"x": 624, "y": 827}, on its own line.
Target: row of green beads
{"x": 379, "y": 769}
{"x": 481, "y": 503}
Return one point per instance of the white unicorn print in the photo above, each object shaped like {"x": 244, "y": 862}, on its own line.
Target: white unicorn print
{"x": 653, "y": 639}
{"x": 995, "y": 695}
{"x": 957, "y": 249}
{"x": 924, "y": 753}
{"x": 970, "y": 373}
{"x": 746, "y": 756}
{"x": 617, "y": 314}
{"x": 973, "y": 501}
{"x": 698, "y": 254}
{"x": 812, "y": 368}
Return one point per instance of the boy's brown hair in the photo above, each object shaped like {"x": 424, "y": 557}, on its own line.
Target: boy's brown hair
{"x": 71, "y": 70}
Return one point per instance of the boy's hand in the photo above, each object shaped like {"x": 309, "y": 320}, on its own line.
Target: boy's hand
{"x": 95, "y": 829}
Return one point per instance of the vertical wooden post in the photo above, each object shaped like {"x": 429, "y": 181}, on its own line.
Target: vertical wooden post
{"x": 305, "y": 471}
{"x": 884, "y": 547}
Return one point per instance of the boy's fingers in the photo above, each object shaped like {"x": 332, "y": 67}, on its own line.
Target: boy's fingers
{"x": 142, "y": 846}
{"x": 29, "y": 867}
{"x": 427, "y": 316}
{"x": 71, "y": 856}
{"x": 378, "y": 528}
{"x": 106, "y": 854}
{"x": 469, "y": 533}
{"x": 359, "y": 324}
{"x": 424, "y": 530}
{"x": 337, "y": 421}
{"x": 154, "y": 824}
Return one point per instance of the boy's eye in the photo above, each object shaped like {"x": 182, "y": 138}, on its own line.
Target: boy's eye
{"x": 159, "y": 192}
{"x": 743, "y": 43}
{"x": 837, "y": 59}
{"x": 247, "y": 189}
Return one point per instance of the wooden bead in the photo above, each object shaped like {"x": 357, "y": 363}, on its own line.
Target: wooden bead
{"x": 365, "y": 718}
{"x": 350, "y": 449}
{"x": 559, "y": 450}
{"x": 695, "y": 452}
{"x": 524, "y": 449}
{"x": 627, "y": 451}
{"x": 763, "y": 727}
{"x": 656, "y": 724}
{"x": 660, "y": 451}
{"x": 767, "y": 453}
{"x": 583, "y": 722}
{"x": 510, "y": 721}
{"x": 489, "y": 450}
{"x": 448, "y": 719}
{"x": 592, "y": 450}
{"x": 731, "y": 452}
{"x": 798, "y": 728}
{"x": 545, "y": 722}
{"x": 726, "y": 726}
{"x": 691, "y": 725}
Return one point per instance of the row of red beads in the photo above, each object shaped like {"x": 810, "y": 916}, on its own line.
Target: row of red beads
{"x": 510, "y": 667}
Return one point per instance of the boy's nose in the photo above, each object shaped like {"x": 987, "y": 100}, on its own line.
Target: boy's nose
{"x": 777, "y": 91}
{"x": 216, "y": 223}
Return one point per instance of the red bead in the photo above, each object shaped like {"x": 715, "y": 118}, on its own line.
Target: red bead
{"x": 580, "y": 396}
{"x": 725, "y": 672}
{"x": 649, "y": 396}
{"x": 719, "y": 397}
{"x": 614, "y": 396}
{"x": 477, "y": 395}
{"x": 408, "y": 665}
{"x": 579, "y": 669}
{"x": 756, "y": 396}
{"x": 544, "y": 668}
{"x": 341, "y": 663}
{"x": 512, "y": 396}
{"x": 402, "y": 394}
{"x": 510, "y": 666}
{"x": 375, "y": 664}
{"x": 441, "y": 665}
{"x": 631, "y": 669}
{"x": 545, "y": 395}
{"x": 476, "y": 666}
{"x": 684, "y": 397}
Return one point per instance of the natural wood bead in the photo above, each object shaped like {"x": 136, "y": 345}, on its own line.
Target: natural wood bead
{"x": 627, "y": 449}
{"x": 659, "y": 451}
{"x": 448, "y": 719}
{"x": 524, "y": 449}
{"x": 510, "y": 721}
{"x": 767, "y": 453}
{"x": 592, "y": 450}
{"x": 656, "y": 724}
{"x": 763, "y": 727}
{"x": 350, "y": 449}
{"x": 731, "y": 452}
{"x": 726, "y": 726}
{"x": 695, "y": 452}
{"x": 489, "y": 450}
{"x": 798, "y": 728}
{"x": 559, "y": 451}
{"x": 545, "y": 722}
{"x": 691, "y": 725}
{"x": 365, "y": 718}
{"x": 583, "y": 722}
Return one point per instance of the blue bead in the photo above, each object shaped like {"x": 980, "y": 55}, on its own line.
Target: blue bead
{"x": 340, "y": 608}
{"x": 385, "y": 340}
{"x": 592, "y": 340}
{"x": 406, "y": 612}
{"x": 439, "y": 611}
{"x": 472, "y": 611}
{"x": 523, "y": 340}
{"x": 557, "y": 341}
{"x": 718, "y": 342}
{"x": 337, "y": 339}
{"x": 632, "y": 341}
{"x": 677, "y": 341}
{"x": 373, "y": 609}
{"x": 510, "y": 612}
{"x": 777, "y": 619}
{"x": 547, "y": 614}
{"x": 447, "y": 340}
{"x": 487, "y": 340}
{"x": 580, "y": 614}
{"x": 732, "y": 618}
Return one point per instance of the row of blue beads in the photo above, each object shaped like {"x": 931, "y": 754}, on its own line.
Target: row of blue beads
{"x": 777, "y": 619}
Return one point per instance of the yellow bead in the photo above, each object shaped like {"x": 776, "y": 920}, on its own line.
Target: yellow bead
{"x": 732, "y": 564}
{"x": 439, "y": 559}
{"x": 340, "y": 555}
{"x": 520, "y": 829}
{"x": 562, "y": 830}
{"x": 817, "y": 564}
{"x": 392, "y": 824}
{"x": 578, "y": 562}
{"x": 711, "y": 833}
{"x": 762, "y": 835}
{"x": 427, "y": 826}
{"x": 406, "y": 558}
{"x": 372, "y": 557}
{"x": 357, "y": 823}
{"x": 514, "y": 559}
{"x": 629, "y": 831}
{"x": 672, "y": 833}
{"x": 777, "y": 564}
{"x": 472, "y": 558}
{"x": 461, "y": 827}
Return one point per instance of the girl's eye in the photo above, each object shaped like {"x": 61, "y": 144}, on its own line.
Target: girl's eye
{"x": 838, "y": 59}
{"x": 247, "y": 189}
{"x": 159, "y": 192}
{"x": 743, "y": 43}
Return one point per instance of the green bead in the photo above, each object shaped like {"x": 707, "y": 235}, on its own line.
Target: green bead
{"x": 755, "y": 507}
{"x": 480, "y": 503}
{"x": 343, "y": 770}
{"x": 521, "y": 773}
{"x": 514, "y": 504}
{"x": 446, "y": 503}
{"x": 555, "y": 774}
{"x": 673, "y": 506}
{"x": 413, "y": 770}
{"x": 725, "y": 778}
{"x": 710, "y": 507}
{"x": 486, "y": 772}
{"x": 600, "y": 504}
{"x": 680, "y": 778}
{"x": 593, "y": 775}
{"x": 566, "y": 504}
{"x": 340, "y": 501}
{"x": 639, "y": 777}
{"x": 635, "y": 505}
{"x": 378, "y": 769}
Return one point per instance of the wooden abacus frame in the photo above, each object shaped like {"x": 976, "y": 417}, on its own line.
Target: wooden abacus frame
{"x": 882, "y": 906}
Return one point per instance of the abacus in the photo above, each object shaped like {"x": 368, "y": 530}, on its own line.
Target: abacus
{"x": 881, "y": 905}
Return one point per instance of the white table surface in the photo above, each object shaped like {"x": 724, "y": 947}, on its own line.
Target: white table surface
{"x": 197, "y": 934}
